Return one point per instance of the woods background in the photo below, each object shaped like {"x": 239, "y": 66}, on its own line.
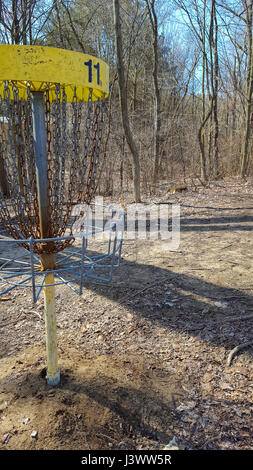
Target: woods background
{"x": 181, "y": 82}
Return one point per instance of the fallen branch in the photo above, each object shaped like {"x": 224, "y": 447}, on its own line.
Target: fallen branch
{"x": 210, "y": 440}
{"x": 107, "y": 437}
{"x": 245, "y": 317}
{"x": 235, "y": 351}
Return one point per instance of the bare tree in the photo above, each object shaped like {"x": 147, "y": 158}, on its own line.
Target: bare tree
{"x": 157, "y": 99}
{"x": 243, "y": 12}
{"x": 23, "y": 21}
{"x": 123, "y": 101}
{"x": 201, "y": 132}
{"x": 3, "y": 177}
{"x": 214, "y": 71}
{"x": 249, "y": 93}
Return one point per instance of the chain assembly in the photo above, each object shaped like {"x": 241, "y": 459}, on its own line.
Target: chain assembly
{"x": 73, "y": 142}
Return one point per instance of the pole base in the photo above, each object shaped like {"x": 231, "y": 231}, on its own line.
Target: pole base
{"x": 54, "y": 380}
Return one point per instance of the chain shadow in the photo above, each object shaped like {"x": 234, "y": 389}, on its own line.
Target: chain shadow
{"x": 179, "y": 302}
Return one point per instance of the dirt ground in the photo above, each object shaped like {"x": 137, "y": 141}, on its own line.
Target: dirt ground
{"x": 144, "y": 359}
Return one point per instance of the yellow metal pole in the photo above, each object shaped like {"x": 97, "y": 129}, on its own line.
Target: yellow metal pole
{"x": 47, "y": 260}
{"x": 53, "y": 373}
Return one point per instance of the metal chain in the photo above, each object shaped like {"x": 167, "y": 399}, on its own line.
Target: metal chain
{"x": 72, "y": 168}
{"x": 56, "y": 114}
{"x": 84, "y": 164}
{"x": 75, "y": 135}
{"x": 31, "y": 160}
{"x": 5, "y": 215}
{"x": 72, "y": 159}
{"x": 13, "y": 228}
{"x": 26, "y": 221}
{"x": 97, "y": 139}
{"x": 14, "y": 192}
{"x": 63, "y": 159}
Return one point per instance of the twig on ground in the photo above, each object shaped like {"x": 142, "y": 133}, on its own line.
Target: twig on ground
{"x": 107, "y": 437}
{"x": 210, "y": 440}
{"x": 235, "y": 351}
{"x": 130, "y": 296}
{"x": 245, "y": 317}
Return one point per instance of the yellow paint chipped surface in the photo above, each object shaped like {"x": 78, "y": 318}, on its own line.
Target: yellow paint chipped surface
{"x": 48, "y": 65}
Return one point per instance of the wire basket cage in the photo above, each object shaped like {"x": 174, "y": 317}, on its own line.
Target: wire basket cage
{"x": 72, "y": 265}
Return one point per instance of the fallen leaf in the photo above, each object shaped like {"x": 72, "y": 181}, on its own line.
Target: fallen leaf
{"x": 130, "y": 330}
{"x": 226, "y": 386}
{"x": 221, "y": 304}
{"x": 188, "y": 406}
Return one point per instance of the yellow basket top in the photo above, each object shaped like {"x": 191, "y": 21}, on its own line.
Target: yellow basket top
{"x": 47, "y": 66}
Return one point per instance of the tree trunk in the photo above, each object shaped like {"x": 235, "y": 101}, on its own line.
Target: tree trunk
{"x": 245, "y": 148}
{"x": 214, "y": 42}
{"x": 157, "y": 97}
{"x": 3, "y": 177}
{"x": 123, "y": 102}
{"x": 15, "y": 32}
{"x": 122, "y": 164}
{"x": 201, "y": 133}
{"x": 234, "y": 100}
{"x": 24, "y": 10}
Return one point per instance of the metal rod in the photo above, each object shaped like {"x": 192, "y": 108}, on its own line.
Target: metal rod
{"x": 47, "y": 260}
{"x": 32, "y": 269}
{"x": 16, "y": 285}
{"x": 40, "y": 288}
{"x": 53, "y": 373}
{"x": 82, "y": 262}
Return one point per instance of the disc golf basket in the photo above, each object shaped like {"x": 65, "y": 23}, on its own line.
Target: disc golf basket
{"x": 52, "y": 107}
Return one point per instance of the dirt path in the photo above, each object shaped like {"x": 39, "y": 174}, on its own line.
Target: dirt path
{"x": 143, "y": 359}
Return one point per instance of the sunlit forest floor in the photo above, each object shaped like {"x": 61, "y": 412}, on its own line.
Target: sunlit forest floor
{"x": 147, "y": 358}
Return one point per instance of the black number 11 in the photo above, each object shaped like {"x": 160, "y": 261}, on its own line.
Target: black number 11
{"x": 97, "y": 67}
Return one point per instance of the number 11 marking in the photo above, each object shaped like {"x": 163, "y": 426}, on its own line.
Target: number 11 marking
{"x": 97, "y": 67}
